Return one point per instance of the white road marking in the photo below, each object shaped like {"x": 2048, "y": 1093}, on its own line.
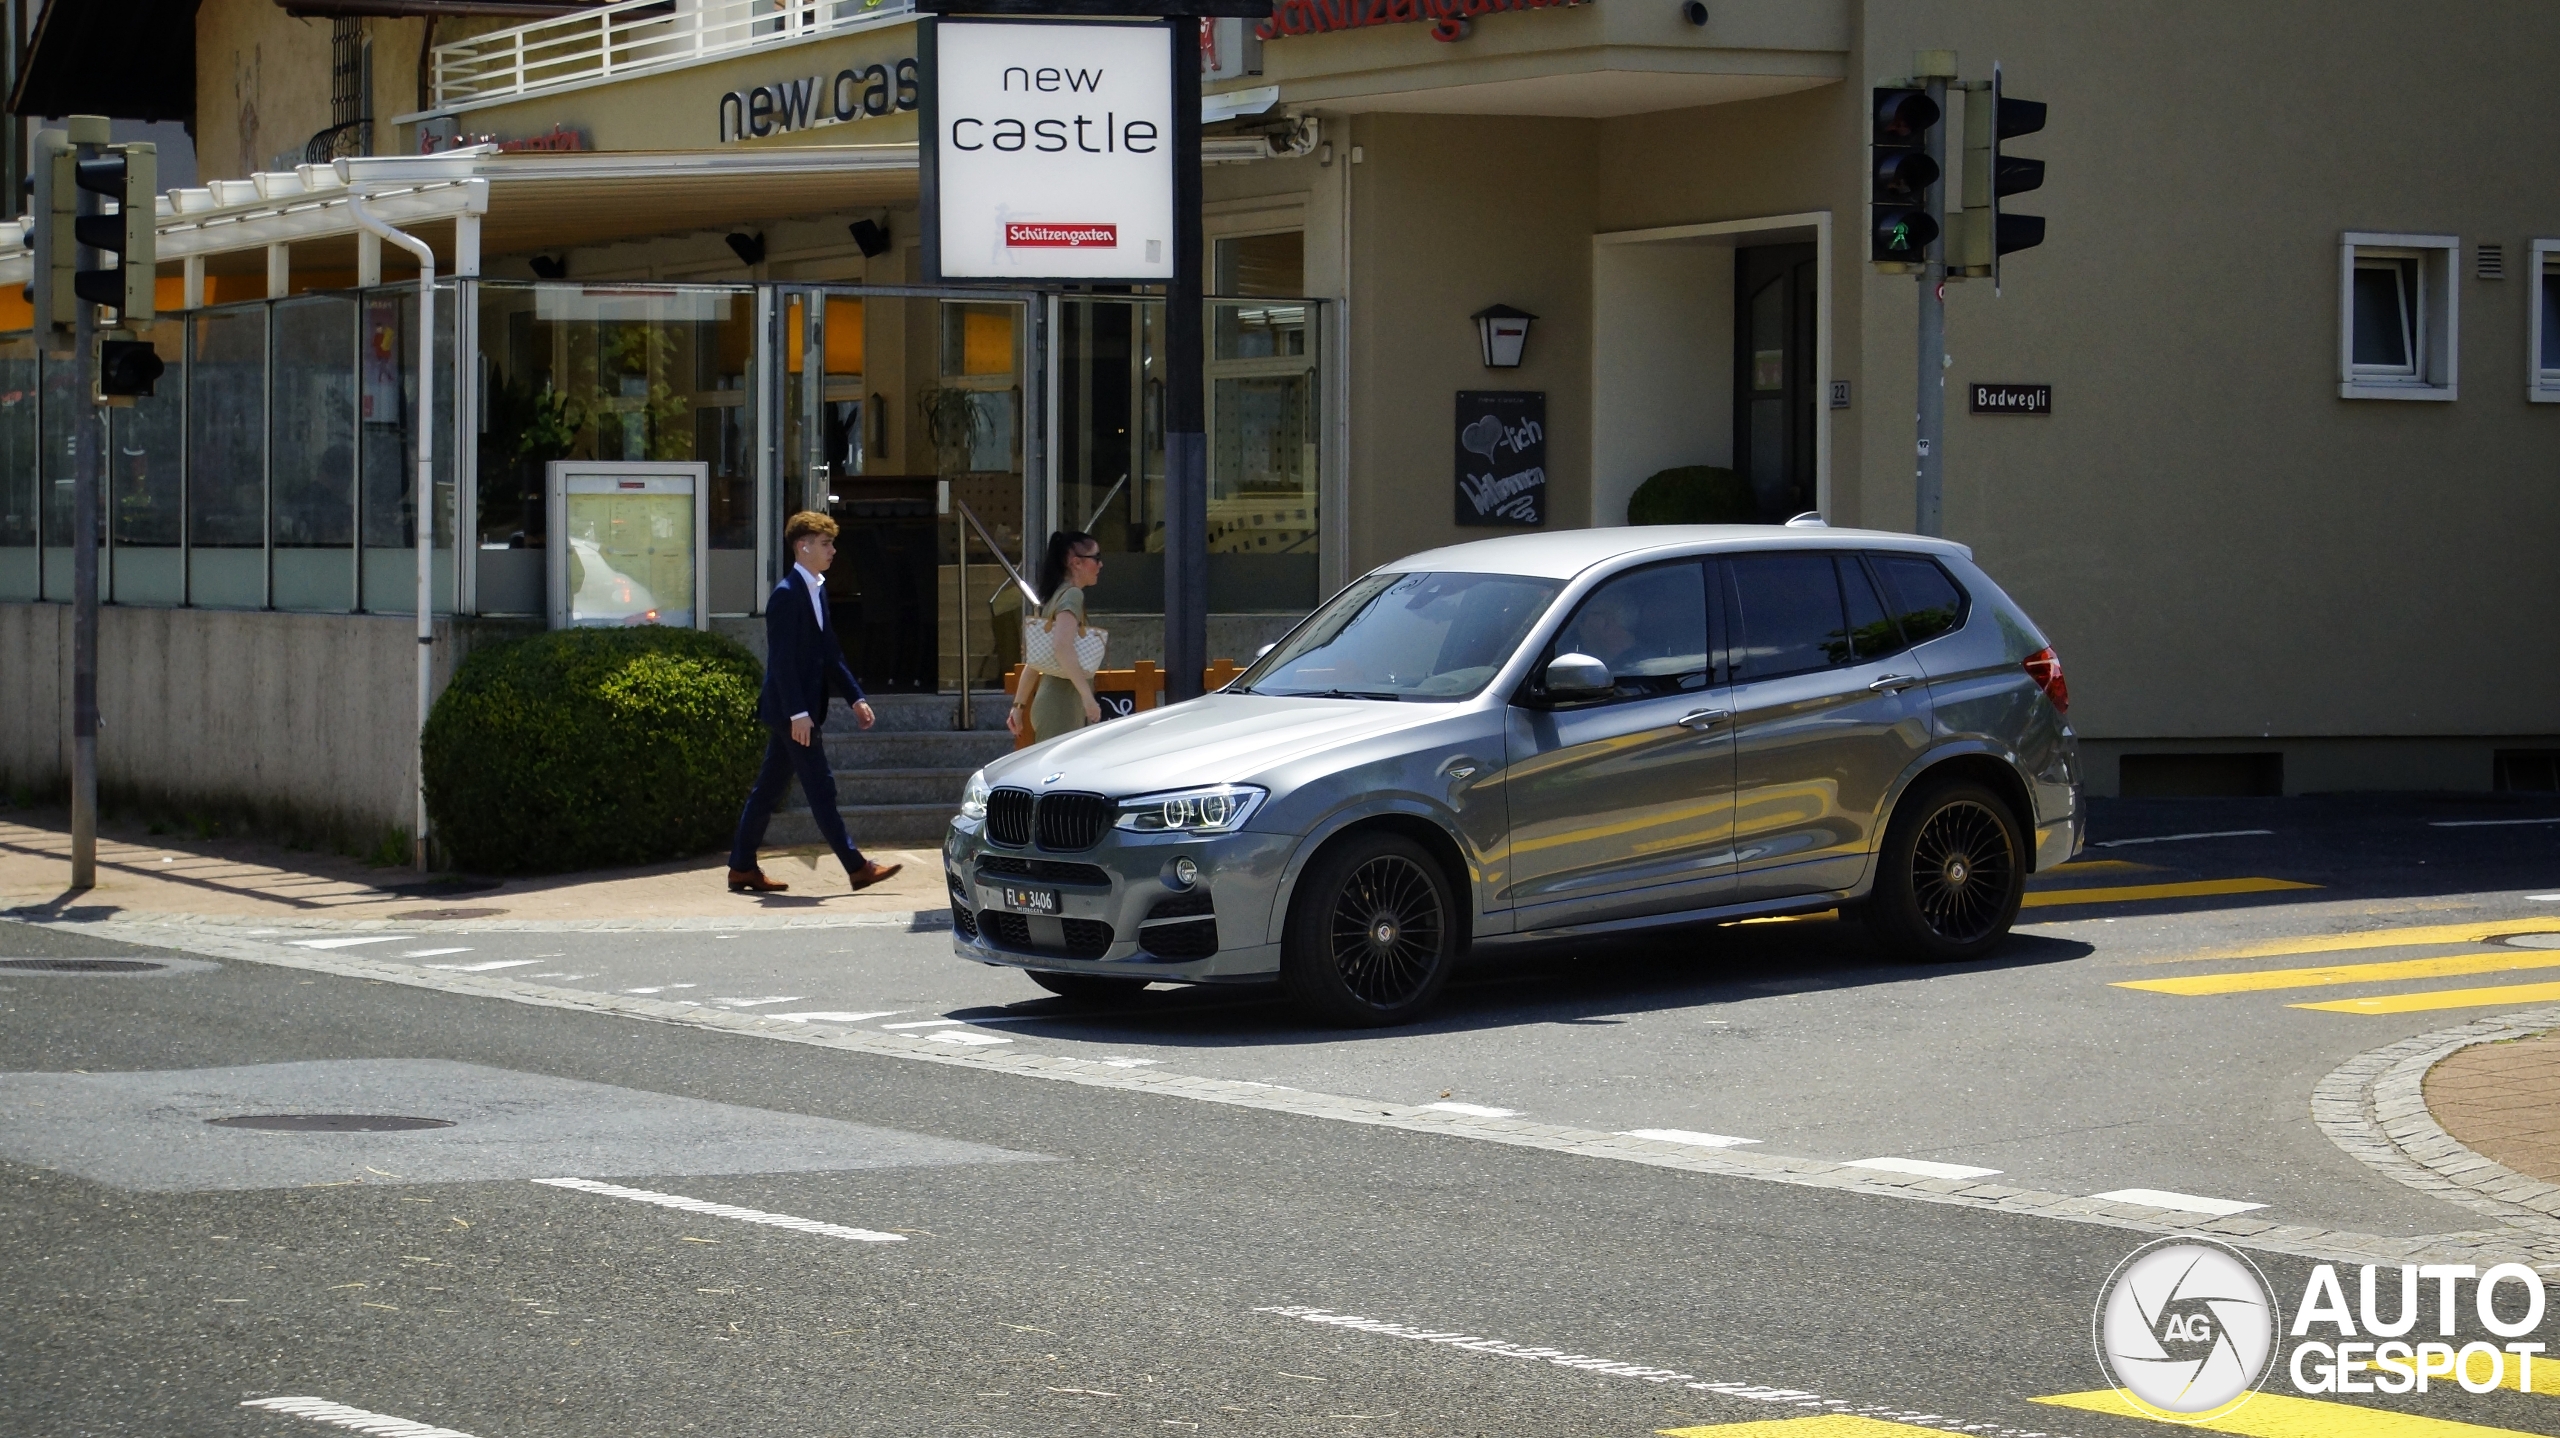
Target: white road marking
{"x": 2182, "y": 1202}
{"x": 757, "y": 1003}
{"x": 723, "y": 1210}
{"x": 956, "y": 1036}
{"x": 1923, "y": 1167}
{"x": 1813, "y": 1403}
{"x": 830, "y": 1016}
{"x": 923, "y": 1024}
{"x": 662, "y": 988}
{"x": 1128, "y": 1063}
{"x": 556, "y": 976}
{"x": 339, "y": 1415}
{"x": 485, "y": 967}
{"x": 351, "y": 943}
{"x": 1474, "y": 1110}
{"x": 2176, "y": 838}
{"x": 2543, "y": 898}
{"x": 2485, "y": 823}
{"x": 1686, "y": 1135}
{"x": 437, "y": 954}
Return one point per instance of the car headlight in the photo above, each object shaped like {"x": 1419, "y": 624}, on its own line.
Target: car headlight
{"x": 1215, "y": 809}
{"x": 973, "y": 796}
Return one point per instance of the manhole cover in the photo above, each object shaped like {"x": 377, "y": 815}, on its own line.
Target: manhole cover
{"x": 2534, "y": 941}
{"x": 81, "y": 966}
{"x": 421, "y": 915}
{"x": 329, "y": 1122}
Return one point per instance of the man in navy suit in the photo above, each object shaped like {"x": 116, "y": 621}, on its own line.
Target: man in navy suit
{"x": 802, "y": 666}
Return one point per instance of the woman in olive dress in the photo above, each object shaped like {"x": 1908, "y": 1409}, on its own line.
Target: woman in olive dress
{"x": 1049, "y": 704}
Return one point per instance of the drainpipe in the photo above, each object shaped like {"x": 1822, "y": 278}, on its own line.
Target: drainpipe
{"x": 426, "y": 524}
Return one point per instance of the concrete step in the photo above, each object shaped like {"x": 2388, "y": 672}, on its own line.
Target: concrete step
{"x": 899, "y": 713}
{"x": 864, "y": 787}
{"x": 872, "y": 826}
{"x": 963, "y": 750}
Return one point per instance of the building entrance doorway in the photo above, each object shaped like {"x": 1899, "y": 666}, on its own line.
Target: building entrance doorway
{"x": 1774, "y": 382}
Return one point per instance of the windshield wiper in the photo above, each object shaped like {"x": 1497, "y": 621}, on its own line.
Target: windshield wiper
{"x": 1388, "y": 695}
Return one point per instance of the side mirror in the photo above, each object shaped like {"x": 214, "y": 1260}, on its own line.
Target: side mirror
{"x": 1577, "y": 676}
{"x": 1265, "y": 649}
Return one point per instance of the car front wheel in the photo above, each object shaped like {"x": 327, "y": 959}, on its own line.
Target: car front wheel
{"x": 1373, "y": 933}
{"x": 1951, "y": 875}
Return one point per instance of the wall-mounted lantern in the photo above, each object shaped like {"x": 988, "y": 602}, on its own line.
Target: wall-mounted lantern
{"x": 1504, "y": 332}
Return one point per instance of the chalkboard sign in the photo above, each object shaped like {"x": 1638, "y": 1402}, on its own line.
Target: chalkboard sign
{"x": 1502, "y": 456}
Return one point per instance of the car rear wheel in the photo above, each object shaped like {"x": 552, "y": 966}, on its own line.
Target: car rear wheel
{"x": 1088, "y": 988}
{"x": 1373, "y": 933}
{"x": 1951, "y": 875}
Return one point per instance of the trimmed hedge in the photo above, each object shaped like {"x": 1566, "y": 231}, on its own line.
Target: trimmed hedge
{"x": 1693, "y": 494}
{"x": 583, "y": 748}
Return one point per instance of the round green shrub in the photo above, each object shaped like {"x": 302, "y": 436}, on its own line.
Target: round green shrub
{"x": 1693, "y": 494}
{"x": 582, "y": 748}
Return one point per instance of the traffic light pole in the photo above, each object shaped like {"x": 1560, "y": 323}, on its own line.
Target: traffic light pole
{"x": 1186, "y": 438}
{"x": 1931, "y": 418}
{"x": 85, "y": 461}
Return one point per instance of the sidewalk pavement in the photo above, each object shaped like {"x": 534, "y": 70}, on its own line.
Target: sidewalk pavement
{"x": 2502, "y": 1100}
{"x": 168, "y": 876}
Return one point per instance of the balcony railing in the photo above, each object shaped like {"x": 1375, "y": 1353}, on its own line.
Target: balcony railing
{"x": 634, "y": 37}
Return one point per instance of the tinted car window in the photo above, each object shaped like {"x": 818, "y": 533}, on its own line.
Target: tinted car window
{"x": 1788, "y": 617}
{"x": 1649, "y": 626}
{"x": 1872, "y": 631}
{"x": 1922, "y": 596}
{"x": 1406, "y": 636}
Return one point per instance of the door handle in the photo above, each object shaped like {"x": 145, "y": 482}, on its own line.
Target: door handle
{"x": 1893, "y": 683}
{"x": 1705, "y": 719}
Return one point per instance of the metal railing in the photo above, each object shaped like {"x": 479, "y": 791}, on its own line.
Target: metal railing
{"x": 633, "y": 37}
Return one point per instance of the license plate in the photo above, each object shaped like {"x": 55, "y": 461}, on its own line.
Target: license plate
{"x": 1031, "y": 901}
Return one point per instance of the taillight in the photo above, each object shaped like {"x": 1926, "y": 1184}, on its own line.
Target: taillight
{"x": 2045, "y": 667}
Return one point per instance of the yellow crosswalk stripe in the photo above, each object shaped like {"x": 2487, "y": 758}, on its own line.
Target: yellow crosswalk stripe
{"x": 2109, "y": 866}
{"x": 2476, "y": 931}
{"x": 2274, "y": 1415}
{"x": 2255, "y": 980}
{"x": 1829, "y": 1425}
{"x": 2441, "y": 999}
{"x": 2129, "y": 893}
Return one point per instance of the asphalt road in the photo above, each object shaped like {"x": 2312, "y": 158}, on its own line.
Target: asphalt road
{"x": 913, "y": 1247}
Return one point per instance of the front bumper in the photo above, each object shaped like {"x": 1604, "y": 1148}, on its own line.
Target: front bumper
{"x": 1120, "y": 911}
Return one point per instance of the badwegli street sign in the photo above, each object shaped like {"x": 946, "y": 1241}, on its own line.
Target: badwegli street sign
{"x": 1502, "y": 457}
{"x": 2010, "y": 398}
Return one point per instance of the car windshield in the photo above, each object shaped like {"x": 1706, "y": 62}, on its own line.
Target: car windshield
{"x": 1429, "y": 637}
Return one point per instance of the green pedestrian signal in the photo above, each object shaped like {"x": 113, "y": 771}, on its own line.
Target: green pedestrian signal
{"x": 1901, "y": 174}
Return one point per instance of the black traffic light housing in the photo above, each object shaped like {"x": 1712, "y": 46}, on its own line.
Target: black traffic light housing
{"x": 128, "y": 368}
{"x": 1991, "y": 176}
{"x": 130, "y": 176}
{"x": 1900, "y": 228}
{"x": 52, "y": 199}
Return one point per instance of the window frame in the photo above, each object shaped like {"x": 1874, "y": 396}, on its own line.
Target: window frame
{"x": 2541, "y": 386}
{"x": 2436, "y": 341}
{"x": 1736, "y": 631}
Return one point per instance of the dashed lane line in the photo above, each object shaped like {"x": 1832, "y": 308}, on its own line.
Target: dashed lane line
{"x": 339, "y": 1415}
{"x": 2507, "y": 996}
{"x": 723, "y": 1210}
{"x": 2259, "y": 980}
{"x": 2278, "y": 1415}
{"x": 2181, "y": 838}
{"x": 2136, "y": 893}
{"x": 1904, "y": 1419}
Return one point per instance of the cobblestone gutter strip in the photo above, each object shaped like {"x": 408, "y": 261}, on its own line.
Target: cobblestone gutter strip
{"x": 2540, "y": 1245}
{"x": 2375, "y": 1107}
{"x": 917, "y": 921}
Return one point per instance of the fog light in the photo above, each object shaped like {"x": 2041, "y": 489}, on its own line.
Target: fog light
{"x": 1185, "y": 872}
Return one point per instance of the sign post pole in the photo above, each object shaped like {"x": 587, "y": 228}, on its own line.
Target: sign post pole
{"x": 88, "y": 132}
{"x": 1186, "y": 437}
{"x": 1937, "y": 68}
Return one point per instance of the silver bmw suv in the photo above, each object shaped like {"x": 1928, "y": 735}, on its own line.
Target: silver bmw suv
{"x": 1588, "y": 732}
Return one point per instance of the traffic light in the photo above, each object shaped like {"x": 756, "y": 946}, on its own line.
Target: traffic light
{"x": 1989, "y": 176}
{"x": 128, "y": 367}
{"x": 129, "y": 175}
{"x": 1901, "y": 228}
{"x": 49, "y": 234}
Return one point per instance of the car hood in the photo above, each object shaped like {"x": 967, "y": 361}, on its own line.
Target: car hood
{"x": 1217, "y": 738}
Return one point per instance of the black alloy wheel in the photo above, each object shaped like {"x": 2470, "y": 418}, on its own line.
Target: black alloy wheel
{"x": 1088, "y": 988}
{"x": 1373, "y": 933}
{"x": 1951, "y": 875}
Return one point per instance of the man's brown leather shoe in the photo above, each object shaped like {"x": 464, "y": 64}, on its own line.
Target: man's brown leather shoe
{"x": 872, "y": 872}
{"x": 753, "y": 881}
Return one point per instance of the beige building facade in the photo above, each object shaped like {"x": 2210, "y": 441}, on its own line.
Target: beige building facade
{"x": 2287, "y": 520}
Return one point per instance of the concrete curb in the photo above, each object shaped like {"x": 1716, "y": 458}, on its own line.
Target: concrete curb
{"x": 916, "y": 921}
{"x": 2539, "y": 1244}
{"x": 2374, "y": 1106}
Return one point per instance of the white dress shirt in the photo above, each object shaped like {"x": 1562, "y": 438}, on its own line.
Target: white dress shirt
{"x": 817, "y": 605}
